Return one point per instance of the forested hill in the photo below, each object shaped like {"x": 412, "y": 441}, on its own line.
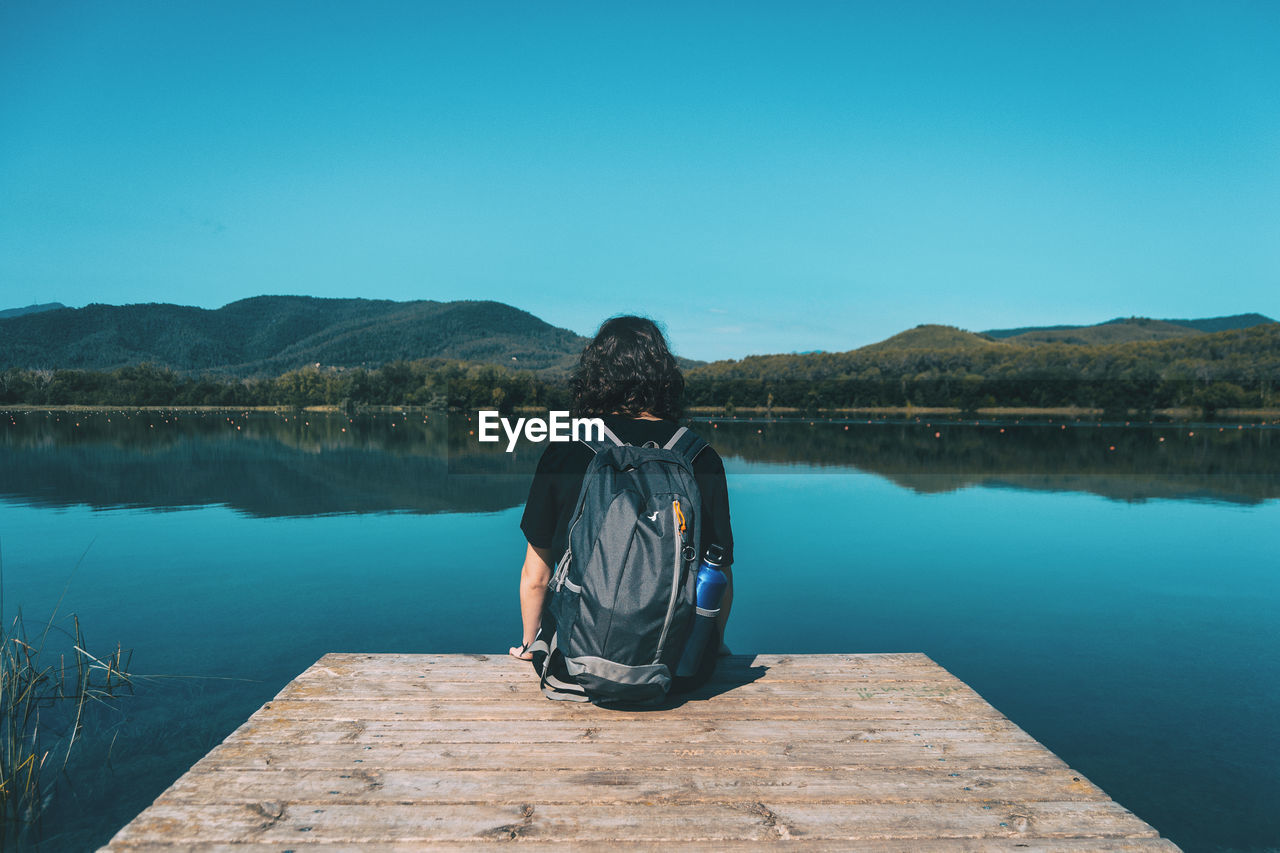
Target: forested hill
{"x": 268, "y": 335}
{"x": 1126, "y": 329}
{"x": 944, "y": 366}
{"x": 1250, "y": 354}
{"x": 31, "y": 309}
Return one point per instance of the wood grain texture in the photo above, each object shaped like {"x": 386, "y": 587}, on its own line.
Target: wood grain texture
{"x": 799, "y": 845}
{"x": 815, "y": 752}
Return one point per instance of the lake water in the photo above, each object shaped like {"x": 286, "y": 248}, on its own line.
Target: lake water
{"x": 1112, "y": 589}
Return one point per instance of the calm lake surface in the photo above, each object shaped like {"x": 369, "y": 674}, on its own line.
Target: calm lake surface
{"x": 1112, "y": 589}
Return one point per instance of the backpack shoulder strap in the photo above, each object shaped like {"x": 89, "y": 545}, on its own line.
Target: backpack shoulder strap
{"x": 687, "y": 443}
{"x": 610, "y": 440}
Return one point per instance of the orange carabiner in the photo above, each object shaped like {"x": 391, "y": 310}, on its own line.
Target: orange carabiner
{"x": 679, "y": 515}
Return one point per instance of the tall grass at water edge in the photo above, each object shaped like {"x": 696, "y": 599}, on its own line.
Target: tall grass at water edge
{"x": 44, "y": 705}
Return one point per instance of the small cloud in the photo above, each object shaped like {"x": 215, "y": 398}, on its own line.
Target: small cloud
{"x": 718, "y": 310}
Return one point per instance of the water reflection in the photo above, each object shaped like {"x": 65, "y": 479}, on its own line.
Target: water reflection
{"x": 307, "y": 463}
{"x": 261, "y": 463}
{"x": 1234, "y": 463}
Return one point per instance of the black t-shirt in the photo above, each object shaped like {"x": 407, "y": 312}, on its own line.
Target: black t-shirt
{"x": 558, "y": 479}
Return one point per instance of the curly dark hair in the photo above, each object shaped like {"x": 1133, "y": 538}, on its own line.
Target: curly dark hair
{"x": 627, "y": 369}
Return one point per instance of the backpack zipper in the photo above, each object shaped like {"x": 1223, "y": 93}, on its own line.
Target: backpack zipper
{"x": 562, "y": 571}
{"x": 677, "y": 520}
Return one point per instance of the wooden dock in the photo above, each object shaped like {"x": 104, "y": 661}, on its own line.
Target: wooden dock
{"x": 815, "y": 752}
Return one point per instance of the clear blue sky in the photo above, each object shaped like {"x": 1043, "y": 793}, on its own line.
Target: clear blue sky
{"x": 760, "y": 177}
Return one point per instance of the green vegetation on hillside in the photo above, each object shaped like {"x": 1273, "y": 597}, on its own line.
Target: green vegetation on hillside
{"x": 1222, "y": 370}
{"x": 1116, "y": 332}
{"x": 929, "y": 336}
{"x": 269, "y": 335}
{"x": 34, "y": 308}
{"x": 425, "y": 382}
{"x": 926, "y": 366}
{"x": 1211, "y": 371}
{"x": 1123, "y": 329}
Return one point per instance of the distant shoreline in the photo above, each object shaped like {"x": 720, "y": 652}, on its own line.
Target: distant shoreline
{"x": 1184, "y": 412}
{"x": 703, "y": 412}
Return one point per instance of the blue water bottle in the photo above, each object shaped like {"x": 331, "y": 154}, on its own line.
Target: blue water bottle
{"x": 710, "y": 590}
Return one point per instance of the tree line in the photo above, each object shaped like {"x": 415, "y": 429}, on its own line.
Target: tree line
{"x": 434, "y": 383}
{"x": 1235, "y": 369}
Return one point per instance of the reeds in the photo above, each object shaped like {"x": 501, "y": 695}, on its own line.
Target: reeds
{"x": 43, "y": 707}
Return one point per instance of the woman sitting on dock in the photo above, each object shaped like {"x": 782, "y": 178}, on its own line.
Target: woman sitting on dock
{"x": 627, "y": 377}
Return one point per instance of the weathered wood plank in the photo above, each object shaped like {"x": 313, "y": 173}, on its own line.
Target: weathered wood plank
{"x": 331, "y": 690}
{"x": 724, "y": 706}
{"x": 267, "y": 728}
{"x": 823, "y": 752}
{"x": 282, "y": 822}
{"x": 400, "y": 662}
{"x": 621, "y": 786}
{"x": 798, "y": 845}
{"x": 516, "y": 673}
{"x": 729, "y": 669}
{"x": 605, "y": 756}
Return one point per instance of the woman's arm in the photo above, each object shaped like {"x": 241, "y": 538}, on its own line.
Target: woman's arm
{"x": 534, "y": 577}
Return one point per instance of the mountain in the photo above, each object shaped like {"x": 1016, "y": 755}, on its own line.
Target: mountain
{"x": 267, "y": 335}
{"x": 1124, "y": 329}
{"x": 1236, "y": 355}
{"x": 30, "y": 309}
{"x": 930, "y": 336}
{"x": 1110, "y": 332}
{"x": 1223, "y": 324}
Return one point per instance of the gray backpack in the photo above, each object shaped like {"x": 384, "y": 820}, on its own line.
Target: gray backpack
{"x": 622, "y": 596}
